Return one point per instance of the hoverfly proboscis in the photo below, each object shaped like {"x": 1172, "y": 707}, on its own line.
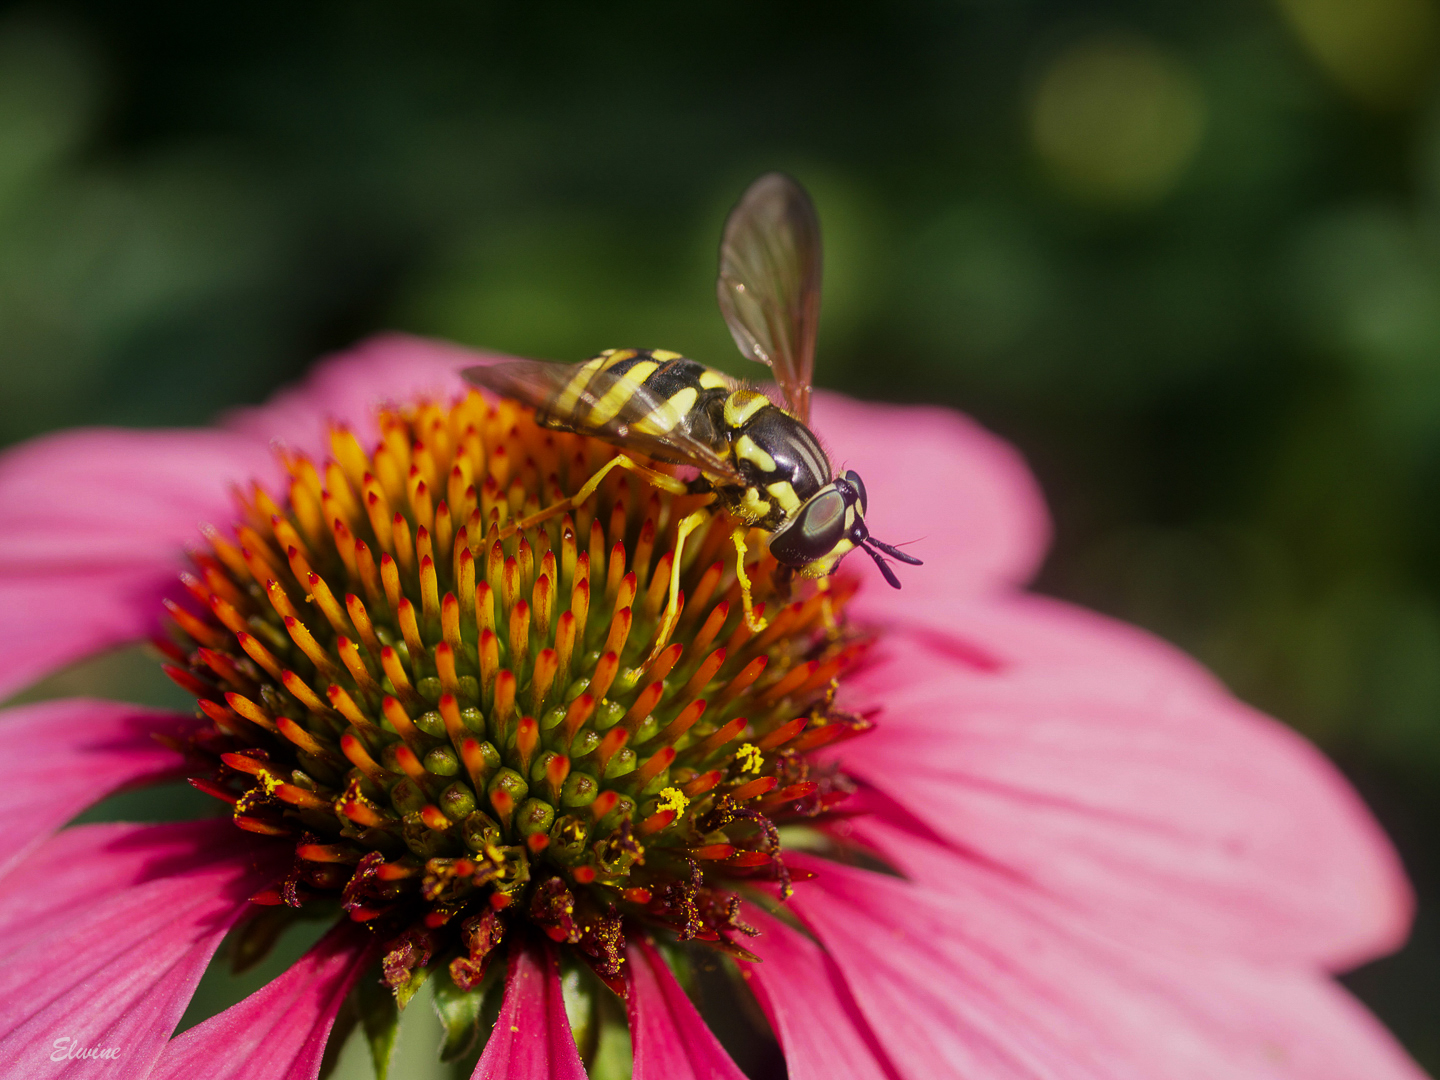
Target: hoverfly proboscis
{"x": 757, "y": 460}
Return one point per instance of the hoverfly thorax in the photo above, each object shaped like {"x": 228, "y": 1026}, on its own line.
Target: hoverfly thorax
{"x": 782, "y": 465}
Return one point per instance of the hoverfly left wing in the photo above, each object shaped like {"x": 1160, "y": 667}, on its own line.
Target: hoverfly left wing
{"x": 567, "y": 397}
{"x": 769, "y": 284}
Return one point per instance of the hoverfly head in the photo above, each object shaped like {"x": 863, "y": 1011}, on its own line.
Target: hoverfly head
{"x": 828, "y": 527}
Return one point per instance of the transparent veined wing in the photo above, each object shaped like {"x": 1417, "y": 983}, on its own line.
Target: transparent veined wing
{"x": 769, "y": 284}
{"x": 583, "y": 399}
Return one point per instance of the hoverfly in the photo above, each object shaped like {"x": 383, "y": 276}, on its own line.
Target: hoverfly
{"x": 759, "y": 461}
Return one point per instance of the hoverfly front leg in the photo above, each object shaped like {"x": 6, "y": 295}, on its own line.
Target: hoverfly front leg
{"x": 756, "y": 623}
{"x": 620, "y": 461}
{"x": 688, "y": 524}
{"x": 827, "y": 607}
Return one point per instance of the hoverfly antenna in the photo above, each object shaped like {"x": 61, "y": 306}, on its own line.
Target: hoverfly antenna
{"x": 894, "y": 552}
{"x": 884, "y": 567}
{"x": 873, "y": 548}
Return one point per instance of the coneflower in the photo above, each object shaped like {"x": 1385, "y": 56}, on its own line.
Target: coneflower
{"x": 1059, "y": 850}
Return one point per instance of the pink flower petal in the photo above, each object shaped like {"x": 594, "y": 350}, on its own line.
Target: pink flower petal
{"x": 1024, "y": 630}
{"x": 59, "y": 757}
{"x": 93, "y": 527}
{"x": 671, "y": 1042}
{"x": 980, "y": 981}
{"x": 55, "y": 619}
{"x": 532, "y": 1038}
{"x": 280, "y": 1030}
{"x": 349, "y": 387}
{"x": 1184, "y": 812}
{"x": 936, "y": 477}
{"x": 823, "y": 1034}
{"x": 104, "y": 932}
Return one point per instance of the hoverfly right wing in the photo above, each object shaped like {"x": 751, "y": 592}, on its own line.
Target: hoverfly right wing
{"x": 769, "y": 283}
{"x": 583, "y": 399}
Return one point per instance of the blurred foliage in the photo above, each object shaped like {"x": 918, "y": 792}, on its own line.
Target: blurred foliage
{"x": 1186, "y": 255}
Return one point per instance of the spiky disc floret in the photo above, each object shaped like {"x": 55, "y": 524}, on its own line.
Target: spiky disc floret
{"x": 464, "y": 726}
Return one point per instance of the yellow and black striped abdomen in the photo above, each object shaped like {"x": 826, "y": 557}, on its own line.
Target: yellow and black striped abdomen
{"x": 677, "y": 391}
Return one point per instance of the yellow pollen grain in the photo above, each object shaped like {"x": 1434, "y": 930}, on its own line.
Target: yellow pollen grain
{"x": 750, "y": 758}
{"x": 673, "y": 799}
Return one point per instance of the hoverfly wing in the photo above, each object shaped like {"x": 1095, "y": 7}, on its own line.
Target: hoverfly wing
{"x": 769, "y": 283}
{"x": 587, "y": 401}
{"x": 536, "y": 383}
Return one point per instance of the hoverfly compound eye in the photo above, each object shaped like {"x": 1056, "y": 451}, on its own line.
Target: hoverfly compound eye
{"x": 813, "y": 532}
{"x": 853, "y": 479}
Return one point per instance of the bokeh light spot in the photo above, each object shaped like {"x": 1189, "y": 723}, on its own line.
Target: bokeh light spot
{"x": 1379, "y": 50}
{"x": 1116, "y": 119}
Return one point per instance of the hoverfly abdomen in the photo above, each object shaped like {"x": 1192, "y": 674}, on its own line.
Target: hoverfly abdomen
{"x": 651, "y": 392}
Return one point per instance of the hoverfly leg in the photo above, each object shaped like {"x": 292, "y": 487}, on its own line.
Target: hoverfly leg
{"x": 671, "y": 484}
{"x": 756, "y": 623}
{"x": 827, "y": 606}
{"x": 688, "y": 524}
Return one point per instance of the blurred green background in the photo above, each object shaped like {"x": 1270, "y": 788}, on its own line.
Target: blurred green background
{"x": 1186, "y": 255}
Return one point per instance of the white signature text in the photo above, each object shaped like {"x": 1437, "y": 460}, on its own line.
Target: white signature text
{"x": 67, "y": 1049}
